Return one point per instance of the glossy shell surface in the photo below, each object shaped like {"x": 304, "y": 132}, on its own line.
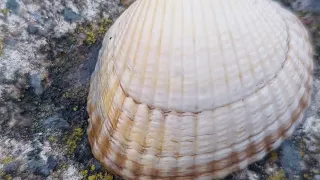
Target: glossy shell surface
{"x": 197, "y": 89}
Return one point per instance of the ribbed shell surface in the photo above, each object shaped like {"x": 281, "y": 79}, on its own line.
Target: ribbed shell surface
{"x": 197, "y": 89}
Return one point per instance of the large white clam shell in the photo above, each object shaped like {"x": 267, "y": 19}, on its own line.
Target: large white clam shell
{"x": 197, "y": 88}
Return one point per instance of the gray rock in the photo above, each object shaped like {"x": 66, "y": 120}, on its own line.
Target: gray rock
{"x": 13, "y": 5}
{"x": 83, "y": 152}
{"x": 52, "y": 163}
{"x": 290, "y": 159}
{"x": 37, "y": 16}
{"x": 32, "y": 29}
{"x": 38, "y": 167}
{"x": 70, "y": 15}
{"x": 55, "y": 122}
{"x": 35, "y": 82}
{"x": 317, "y": 177}
{"x": 11, "y": 42}
{"x": 11, "y": 167}
{"x": 305, "y": 5}
{"x": 97, "y": 165}
{"x": 42, "y": 171}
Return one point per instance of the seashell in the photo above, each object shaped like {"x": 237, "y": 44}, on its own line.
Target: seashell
{"x": 197, "y": 89}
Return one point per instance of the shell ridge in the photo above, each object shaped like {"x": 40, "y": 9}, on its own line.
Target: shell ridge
{"x": 249, "y": 126}
{"x": 132, "y": 10}
{"x": 133, "y": 47}
{"x": 132, "y": 14}
{"x": 222, "y": 171}
{"x": 162, "y": 17}
{"x": 219, "y": 17}
{"x": 110, "y": 66}
{"x": 232, "y": 129}
{"x": 149, "y": 8}
{"x": 263, "y": 123}
{"x": 156, "y": 79}
{"x": 196, "y": 62}
{"x": 209, "y": 56}
{"x": 182, "y": 57}
{"x": 164, "y": 107}
{"x": 110, "y": 94}
{"x": 164, "y": 121}
{"x": 146, "y": 55}
{"x": 249, "y": 160}
{"x": 306, "y": 84}
{"x": 128, "y": 161}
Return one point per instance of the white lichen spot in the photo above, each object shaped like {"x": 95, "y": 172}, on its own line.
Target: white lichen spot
{"x": 72, "y": 173}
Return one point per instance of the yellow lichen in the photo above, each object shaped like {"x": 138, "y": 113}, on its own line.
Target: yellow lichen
{"x": 93, "y": 167}
{"x": 84, "y": 173}
{"x": 75, "y": 108}
{"x": 96, "y": 176}
{"x": 52, "y": 139}
{"x": 306, "y": 176}
{"x": 64, "y": 166}
{"x": 1, "y": 46}
{"x": 274, "y": 156}
{"x": 5, "y": 11}
{"x": 92, "y": 177}
{"x": 91, "y": 37}
{"x": 8, "y": 177}
{"x": 93, "y": 31}
{"x": 104, "y": 25}
{"x": 278, "y": 175}
{"x": 109, "y": 177}
{"x": 7, "y": 160}
{"x": 74, "y": 139}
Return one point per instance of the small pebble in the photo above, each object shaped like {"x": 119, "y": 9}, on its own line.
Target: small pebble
{"x": 290, "y": 158}
{"x": 32, "y": 29}
{"x": 13, "y": 5}
{"x": 70, "y": 15}
{"x": 11, "y": 167}
{"x": 42, "y": 171}
{"x": 55, "y": 122}
{"x": 11, "y": 42}
{"x": 35, "y": 82}
{"x": 83, "y": 153}
{"x": 52, "y": 163}
{"x": 38, "y": 167}
{"x": 97, "y": 165}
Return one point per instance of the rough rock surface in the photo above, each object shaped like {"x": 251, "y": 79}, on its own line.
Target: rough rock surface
{"x": 48, "y": 50}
